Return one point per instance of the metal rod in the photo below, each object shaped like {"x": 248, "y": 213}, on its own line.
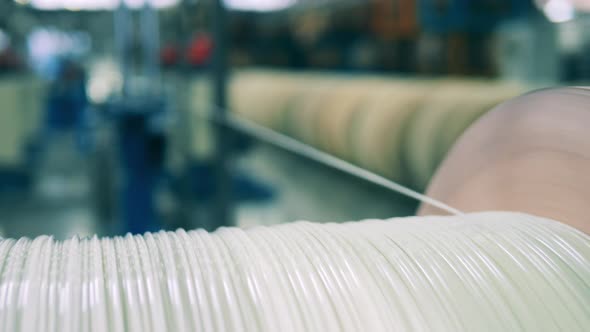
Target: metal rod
{"x": 150, "y": 33}
{"x": 224, "y": 208}
{"x": 287, "y": 143}
{"x": 122, "y": 21}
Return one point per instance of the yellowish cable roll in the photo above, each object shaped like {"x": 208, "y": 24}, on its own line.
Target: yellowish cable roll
{"x": 262, "y": 97}
{"x": 377, "y": 136}
{"x": 305, "y": 116}
{"x": 421, "y": 132}
{"x": 307, "y": 88}
{"x": 337, "y": 113}
{"x": 301, "y": 115}
{"x": 399, "y": 128}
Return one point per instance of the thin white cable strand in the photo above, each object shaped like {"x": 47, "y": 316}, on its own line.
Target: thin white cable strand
{"x": 291, "y": 271}
{"x": 560, "y": 306}
{"x": 185, "y": 279}
{"x": 381, "y": 286}
{"x": 476, "y": 272}
{"x": 404, "y": 266}
{"x": 252, "y": 281}
{"x": 572, "y": 247}
{"x": 275, "y": 274}
{"x": 170, "y": 269}
{"x": 114, "y": 293}
{"x": 217, "y": 281}
{"x": 364, "y": 287}
{"x": 287, "y": 143}
{"x": 333, "y": 283}
{"x": 501, "y": 286}
{"x": 329, "y": 283}
{"x": 237, "y": 295}
{"x": 351, "y": 286}
{"x": 326, "y": 318}
{"x": 54, "y": 282}
{"x": 525, "y": 284}
{"x": 203, "y": 319}
{"x": 207, "y": 283}
{"x": 546, "y": 260}
{"x": 499, "y": 316}
{"x": 472, "y": 272}
{"x": 523, "y": 272}
{"x": 526, "y": 244}
{"x": 138, "y": 275}
{"x": 448, "y": 284}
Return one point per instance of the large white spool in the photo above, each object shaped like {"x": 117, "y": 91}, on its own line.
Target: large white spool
{"x": 480, "y": 272}
{"x": 444, "y": 115}
{"x": 530, "y": 154}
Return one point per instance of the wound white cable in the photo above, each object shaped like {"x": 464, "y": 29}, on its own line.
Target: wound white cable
{"x": 477, "y": 272}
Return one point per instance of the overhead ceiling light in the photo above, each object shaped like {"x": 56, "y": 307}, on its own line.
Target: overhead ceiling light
{"x": 259, "y": 5}
{"x": 559, "y": 11}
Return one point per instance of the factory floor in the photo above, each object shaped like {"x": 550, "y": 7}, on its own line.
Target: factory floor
{"x": 58, "y": 201}
{"x": 307, "y": 190}
{"x": 61, "y": 200}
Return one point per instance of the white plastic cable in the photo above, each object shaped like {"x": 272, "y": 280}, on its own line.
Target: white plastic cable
{"x": 477, "y": 272}
{"x": 289, "y": 144}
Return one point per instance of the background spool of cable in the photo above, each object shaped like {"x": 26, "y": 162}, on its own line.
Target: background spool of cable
{"x": 349, "y": 117}
{"x": 377, "y": 134}
{"x": 262, "y": 97}
{"x": 301, "y": 115}
{"x": 241, "y": 91}
{"x": 422, "y": 131}
{"x": 530, "y": 154}
{"x": 333, "y": 121}
{"x": 485, "y": 271}
{"x": 334, "y": 127}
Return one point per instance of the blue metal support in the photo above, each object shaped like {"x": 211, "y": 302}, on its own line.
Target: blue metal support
{"x": 138, "y": 115}
{"x": 141, "y": 153}
{"x": 224, "y": 197}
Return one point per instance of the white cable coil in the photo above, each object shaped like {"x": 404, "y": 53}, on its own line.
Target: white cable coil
{"x": 479, "y": 272}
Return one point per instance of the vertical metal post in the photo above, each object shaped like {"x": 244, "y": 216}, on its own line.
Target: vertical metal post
{"x": 150, "y": 31}
{"x": 224, "y": 208}
{"x": 122, "y": 25}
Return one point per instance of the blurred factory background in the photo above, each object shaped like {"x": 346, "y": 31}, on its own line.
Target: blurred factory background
{"x": 106, "y": 106}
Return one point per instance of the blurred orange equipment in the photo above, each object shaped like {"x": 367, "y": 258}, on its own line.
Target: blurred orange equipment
{"x": 394, "y": 18}
{"x": 200, "y": 50}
